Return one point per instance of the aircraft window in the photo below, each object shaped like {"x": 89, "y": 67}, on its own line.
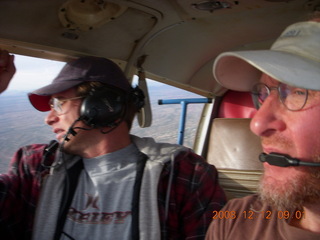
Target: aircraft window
{"x": 21, "y": 124}
{"x": 166, "y": 118}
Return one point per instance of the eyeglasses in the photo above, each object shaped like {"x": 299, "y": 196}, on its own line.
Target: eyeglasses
{"x": 293, "y": 98}
{"x": 56, "y": 104}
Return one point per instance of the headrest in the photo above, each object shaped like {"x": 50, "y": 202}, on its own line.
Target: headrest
{"x": 233, "y": 146}
{"x": 236, "y": 105}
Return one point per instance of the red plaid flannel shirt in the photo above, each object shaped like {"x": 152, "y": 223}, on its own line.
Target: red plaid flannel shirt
{"x": 194, "y": 194}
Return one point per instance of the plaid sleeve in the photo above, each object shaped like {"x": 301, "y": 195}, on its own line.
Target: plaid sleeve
{"x": 19, "y": 192}
{"x": 194, "y": 195}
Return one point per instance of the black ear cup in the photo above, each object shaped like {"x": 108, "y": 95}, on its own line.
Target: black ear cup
{"x": 102, "y": 108}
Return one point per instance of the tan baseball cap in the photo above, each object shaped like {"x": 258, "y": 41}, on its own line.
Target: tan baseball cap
{"x": 293, "y": 59}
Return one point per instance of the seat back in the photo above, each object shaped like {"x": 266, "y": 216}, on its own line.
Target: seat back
{"x": 234, "y": 150}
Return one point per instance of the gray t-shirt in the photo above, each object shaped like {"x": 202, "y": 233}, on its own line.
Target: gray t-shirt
{"x": 101, "y": 207}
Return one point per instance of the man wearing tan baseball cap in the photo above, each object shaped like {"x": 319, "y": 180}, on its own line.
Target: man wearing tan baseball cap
{"x": 285, "y": 86}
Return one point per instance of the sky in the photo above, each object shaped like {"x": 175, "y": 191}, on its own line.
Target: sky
{"x": 33, "y": 73}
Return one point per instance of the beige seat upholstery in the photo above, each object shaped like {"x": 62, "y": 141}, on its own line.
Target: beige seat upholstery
{"x": 234, "y": 150}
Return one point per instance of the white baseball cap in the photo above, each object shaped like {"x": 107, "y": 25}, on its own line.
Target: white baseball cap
{"x": 293, "y": 59}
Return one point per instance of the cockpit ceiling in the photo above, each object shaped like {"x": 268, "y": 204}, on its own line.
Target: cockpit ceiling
{"x": 180, "y": 38}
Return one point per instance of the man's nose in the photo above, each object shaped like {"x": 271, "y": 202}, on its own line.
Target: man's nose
{"x": 267, "y": 119}
{"x": 51, "y": 117}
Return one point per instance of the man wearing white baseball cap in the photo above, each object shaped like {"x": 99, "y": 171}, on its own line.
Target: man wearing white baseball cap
{"x": 287, "y": 121}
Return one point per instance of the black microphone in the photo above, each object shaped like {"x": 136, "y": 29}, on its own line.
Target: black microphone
{"x": 282, "y": 160}
{"x": 71, "y": 130}
{"x": 48, "y": 151}
{"x": 52, "y": 147}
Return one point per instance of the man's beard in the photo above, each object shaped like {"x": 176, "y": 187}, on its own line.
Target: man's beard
{"x": 300, "y": 189}
{"x": 294, "y": 193}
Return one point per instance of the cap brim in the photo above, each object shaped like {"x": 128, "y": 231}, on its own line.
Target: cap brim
{"x": 239, "y": 71}
{"x": 40, "y": 103}
{"x": 40, "y": 98}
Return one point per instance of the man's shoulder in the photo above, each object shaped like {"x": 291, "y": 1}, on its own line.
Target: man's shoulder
{"x": 191, "y": 167}
{"x": 249, "y": 208}
{"x": 188, "y": 158}
{"x": 248, "y": 202}
{"x": 184, "y": 157}
{"x": 159, "y": 151}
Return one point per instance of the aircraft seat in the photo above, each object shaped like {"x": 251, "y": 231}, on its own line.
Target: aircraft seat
{"x": 234, "y": 150}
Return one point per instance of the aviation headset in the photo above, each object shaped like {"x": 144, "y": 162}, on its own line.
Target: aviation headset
{"x": 108, "y": 106}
